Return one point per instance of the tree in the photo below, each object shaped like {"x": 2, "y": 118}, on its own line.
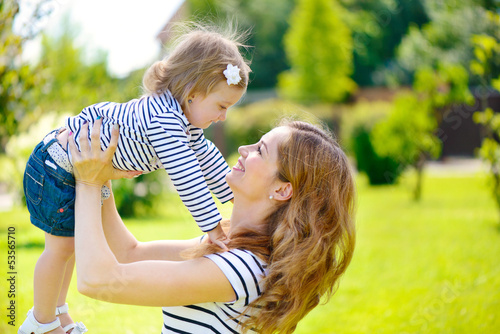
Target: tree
{"x": 71, "y": 82}
{"x": 447, "y": 38}
{"x": 487, "y": 55}
{"x": 378, "y": 27}
{"x": 319, "y": 48}
{"x": 17, "y": 78}
{"x": 408, "y": 135}
{"x": 267, "y": 21}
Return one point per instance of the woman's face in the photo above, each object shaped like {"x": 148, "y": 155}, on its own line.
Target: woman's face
{"x": 256, "y": 170}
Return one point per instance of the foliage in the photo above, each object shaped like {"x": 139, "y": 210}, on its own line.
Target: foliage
{"x": 71, "y": 83}
{"x": 435, "y": 7}
{"x": 487, "y": 51}
{"x": 379, "y": 169}
{"x": 487, "y": 56}
{"x": 408, "y": 135}
{"x": 378, "y": 27}
{"x": 267, "y": 21}
{"x": 248, "y": 123}
{"x": 319, "y": 47}
{"x": 408, "y": 132}
{"x": 446, "y": 39}
{"x": 356, "y": 127}
{"x": 444, "y": 87}
{"x": 142, "y": 196}
{"x": 78, "y": 81}
{"x": 17, "y": 78}
{"x": 490, "y": 148}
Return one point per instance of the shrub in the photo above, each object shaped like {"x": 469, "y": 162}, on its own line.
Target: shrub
{"x": 379, "y": 169}
{"x": 357, "y": 125}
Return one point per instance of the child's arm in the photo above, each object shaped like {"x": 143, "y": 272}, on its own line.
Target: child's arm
{"x": 213, "y": 166}
{"x": 172, "y": 147}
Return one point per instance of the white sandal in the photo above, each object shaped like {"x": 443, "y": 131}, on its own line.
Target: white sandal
{"x": 77, "y": 328}
{"x": 32, "y": 326}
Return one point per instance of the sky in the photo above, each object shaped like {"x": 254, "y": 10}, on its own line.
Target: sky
{"x": 125, "y": 29}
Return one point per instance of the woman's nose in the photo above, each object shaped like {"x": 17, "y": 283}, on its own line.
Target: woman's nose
{"x": 243, "y": 151}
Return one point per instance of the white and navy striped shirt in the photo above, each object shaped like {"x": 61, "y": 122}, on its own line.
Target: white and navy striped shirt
{"x": 244, "y": 271}
{"x": 154, "y": 134}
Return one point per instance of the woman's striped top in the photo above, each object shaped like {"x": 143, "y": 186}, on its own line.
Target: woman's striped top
{"x": 244, "y": 271}
{"x": 154, "y": 134}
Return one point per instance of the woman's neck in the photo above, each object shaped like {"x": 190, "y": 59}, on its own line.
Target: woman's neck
{"x": 248, "y": 215}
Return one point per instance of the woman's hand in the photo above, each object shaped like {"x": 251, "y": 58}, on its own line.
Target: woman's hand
{"x": 92, "y": 166}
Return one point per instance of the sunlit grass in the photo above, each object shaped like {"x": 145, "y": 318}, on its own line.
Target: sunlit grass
{"x": 427, "y": 267}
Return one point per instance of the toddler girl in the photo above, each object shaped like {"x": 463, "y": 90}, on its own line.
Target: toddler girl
{"x": 186, "y": 92}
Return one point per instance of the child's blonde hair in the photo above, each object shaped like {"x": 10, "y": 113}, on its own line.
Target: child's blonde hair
{"x": 197, "y": 63}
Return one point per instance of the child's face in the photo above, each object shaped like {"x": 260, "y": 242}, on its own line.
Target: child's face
{"x": 205, "y": 110}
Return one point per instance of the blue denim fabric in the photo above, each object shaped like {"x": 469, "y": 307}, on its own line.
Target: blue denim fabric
{"x": 50, "y": 193}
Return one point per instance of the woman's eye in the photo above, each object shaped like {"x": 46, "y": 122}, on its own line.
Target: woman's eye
{"x": 258, "y": 150}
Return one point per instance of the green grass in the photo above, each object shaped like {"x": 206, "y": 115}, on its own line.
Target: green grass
{"x": 427, "y": 267}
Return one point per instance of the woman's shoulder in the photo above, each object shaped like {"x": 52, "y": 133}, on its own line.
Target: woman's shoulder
{"x": 244, "y": 270}
{"x": 240, "y": 263}
{"x": 241, "y": 256}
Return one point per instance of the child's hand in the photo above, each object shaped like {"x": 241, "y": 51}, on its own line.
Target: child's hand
{"x": 218, "y": 237}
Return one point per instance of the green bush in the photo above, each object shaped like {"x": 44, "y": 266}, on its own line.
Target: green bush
{"x": 141, "y": 196}
{"x": 357, "y": 125}
{"x": 379, "y": 169}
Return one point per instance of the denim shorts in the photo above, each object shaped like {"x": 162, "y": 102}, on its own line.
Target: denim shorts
{"x": 50, "y": 193}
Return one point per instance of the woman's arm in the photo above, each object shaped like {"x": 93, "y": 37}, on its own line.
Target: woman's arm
{"x": 101, "y": 276}
{"x": 125, "y": 246}
{"x": 148, "y": 283}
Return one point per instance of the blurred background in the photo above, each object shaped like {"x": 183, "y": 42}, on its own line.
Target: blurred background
{"x": 409, "y": 87}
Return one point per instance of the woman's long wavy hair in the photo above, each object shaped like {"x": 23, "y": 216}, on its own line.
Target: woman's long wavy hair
{"x": 197, "y": 62}
{"x": 310, "y": 238}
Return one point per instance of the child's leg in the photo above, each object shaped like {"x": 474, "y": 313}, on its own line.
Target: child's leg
{"x": 65, "y": 317}
{"x": 49, "y": 274}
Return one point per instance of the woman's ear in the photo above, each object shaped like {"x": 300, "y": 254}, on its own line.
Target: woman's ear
{"x": 284, "y": 192}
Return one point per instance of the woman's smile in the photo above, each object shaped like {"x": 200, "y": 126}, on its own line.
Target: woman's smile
{"x": 239, "y": 166}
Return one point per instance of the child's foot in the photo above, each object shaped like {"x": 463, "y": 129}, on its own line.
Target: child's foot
{"x": 67, "y": 323}
{"x": 32, "y": 325}
{"x": 65, "y": 320}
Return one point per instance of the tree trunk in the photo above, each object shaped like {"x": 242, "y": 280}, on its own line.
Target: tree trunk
{"x": 496, "y": 188}
{"x": 419, "y": 166}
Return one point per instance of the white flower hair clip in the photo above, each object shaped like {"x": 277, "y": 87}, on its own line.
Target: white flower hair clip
{"x": 232, "y": 74}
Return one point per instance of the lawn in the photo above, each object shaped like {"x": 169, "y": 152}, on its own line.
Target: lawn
{"x": 427, "y": 267}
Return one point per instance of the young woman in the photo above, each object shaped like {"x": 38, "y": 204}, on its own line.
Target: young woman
{"x": 291, "y": 237}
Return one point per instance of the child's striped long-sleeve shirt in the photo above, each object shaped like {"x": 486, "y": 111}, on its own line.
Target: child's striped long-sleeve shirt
{"x": 154, "y": 134}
